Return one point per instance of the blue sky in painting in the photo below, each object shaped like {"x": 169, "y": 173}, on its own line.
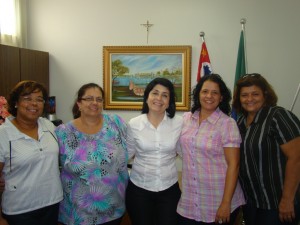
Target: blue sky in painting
{"x": 143, "y": 63}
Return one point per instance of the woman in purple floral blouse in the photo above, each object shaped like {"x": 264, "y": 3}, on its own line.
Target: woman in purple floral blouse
{"x": 93, "y": 156}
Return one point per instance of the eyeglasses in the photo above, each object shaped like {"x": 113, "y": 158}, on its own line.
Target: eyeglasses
{"x": 28, "y": 99}
{"x": 92, "y": 99}
{"x": 256, "y": 75}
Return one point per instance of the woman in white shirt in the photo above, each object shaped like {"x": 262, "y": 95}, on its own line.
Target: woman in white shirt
{"x": 153, "y": 191}
{"x": 29, "y": 160}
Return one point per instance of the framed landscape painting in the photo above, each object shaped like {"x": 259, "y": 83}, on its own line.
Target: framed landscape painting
{"x": 128, "y": 69}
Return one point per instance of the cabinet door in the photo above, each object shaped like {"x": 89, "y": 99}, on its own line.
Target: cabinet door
{"x": 9, "y": 68}
{"x": 35, "y": 66}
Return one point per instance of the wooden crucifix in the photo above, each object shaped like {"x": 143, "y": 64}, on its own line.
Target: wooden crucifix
{"x": 147, "y": 25}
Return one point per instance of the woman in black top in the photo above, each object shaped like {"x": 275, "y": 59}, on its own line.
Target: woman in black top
{"x": 270, "y": 154}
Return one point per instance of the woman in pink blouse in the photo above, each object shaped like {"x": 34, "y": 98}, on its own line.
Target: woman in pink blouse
{"x": 210, "y": 143}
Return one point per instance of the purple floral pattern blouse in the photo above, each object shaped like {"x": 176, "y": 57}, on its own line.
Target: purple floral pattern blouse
{"x": 94, "y": 172}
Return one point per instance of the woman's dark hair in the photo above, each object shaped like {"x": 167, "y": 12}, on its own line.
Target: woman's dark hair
{"x": 166, "y": 83}
{"x": 225, "y": 93}
{"x": 23, "y": 88}
{"x": 254, "y": 79}
{"x": 75, "y": 110}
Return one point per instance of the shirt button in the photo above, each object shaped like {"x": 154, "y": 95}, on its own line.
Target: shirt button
{"x": 41, "y": 149}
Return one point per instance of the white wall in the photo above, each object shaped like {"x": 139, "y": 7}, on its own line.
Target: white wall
{"x": 74, "y": 31}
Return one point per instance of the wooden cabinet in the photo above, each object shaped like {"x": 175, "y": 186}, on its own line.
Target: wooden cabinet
{"x": 18, "y": 64}
{"x": 9, "y": 68}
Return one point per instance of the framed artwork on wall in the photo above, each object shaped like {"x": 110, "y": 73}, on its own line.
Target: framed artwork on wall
{"x": 128, "y": 69}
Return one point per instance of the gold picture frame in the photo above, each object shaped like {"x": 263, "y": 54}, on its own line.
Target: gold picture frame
{"x": 128, "y": 69}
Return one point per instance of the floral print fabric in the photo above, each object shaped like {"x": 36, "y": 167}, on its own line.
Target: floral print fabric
{"x": 3, "y": 109}
{"x": 94, "y": 172}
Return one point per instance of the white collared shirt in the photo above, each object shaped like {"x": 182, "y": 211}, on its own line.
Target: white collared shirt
{"x": 30, "y": 168}
{"x": 154, "y": 167}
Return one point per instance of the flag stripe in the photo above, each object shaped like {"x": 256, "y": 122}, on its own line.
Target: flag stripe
{"x": 204, "y": 67}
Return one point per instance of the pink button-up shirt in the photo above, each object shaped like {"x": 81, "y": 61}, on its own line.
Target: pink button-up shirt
{"x": 204, "y": 165}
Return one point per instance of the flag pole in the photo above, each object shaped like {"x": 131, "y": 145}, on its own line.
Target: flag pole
{"x": 295, "y": 98}
{"x": 243, "y": 22}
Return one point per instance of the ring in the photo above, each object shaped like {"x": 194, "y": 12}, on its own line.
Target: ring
{"x": 220, "y": 221}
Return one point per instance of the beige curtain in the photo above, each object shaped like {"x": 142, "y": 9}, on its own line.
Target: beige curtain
{"x": 18, "y": 37}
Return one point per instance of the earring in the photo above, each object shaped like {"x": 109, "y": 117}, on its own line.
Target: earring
{"x": 16, "y": 106}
